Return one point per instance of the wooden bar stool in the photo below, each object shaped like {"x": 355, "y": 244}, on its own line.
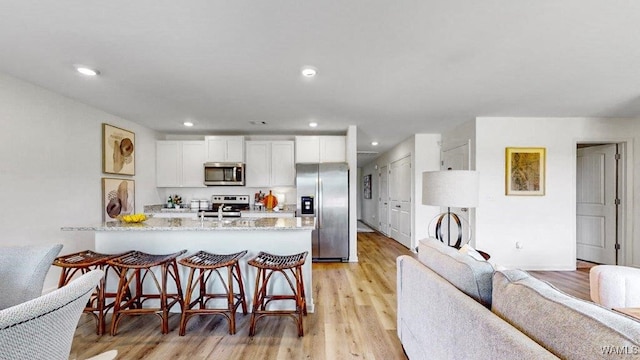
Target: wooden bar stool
{"x": 206, "y": 264}
{"x": 81, "y": 263}
{"x": 134, "y": 268}
{"x": 290, "y": 266}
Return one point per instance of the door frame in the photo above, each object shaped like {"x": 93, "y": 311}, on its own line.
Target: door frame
{"x": 625, "y": 177}
{"x": 383, "y": 216}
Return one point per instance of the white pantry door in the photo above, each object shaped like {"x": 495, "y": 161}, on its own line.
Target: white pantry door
{"x": 400, "y": 201}
{"x": 596, "y": 208}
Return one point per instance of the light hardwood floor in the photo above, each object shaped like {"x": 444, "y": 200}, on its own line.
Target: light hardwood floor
{"x": 355, "y": 317}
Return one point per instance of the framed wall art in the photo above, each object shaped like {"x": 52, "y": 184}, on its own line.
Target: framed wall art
{"x": 118, "y": 150}
{"x": 525, "y": 171}
{"x": 118, "y": 197}
{"x": 367, "y": 186}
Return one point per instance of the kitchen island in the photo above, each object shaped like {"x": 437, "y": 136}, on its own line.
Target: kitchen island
{"x": 167, "y": 235}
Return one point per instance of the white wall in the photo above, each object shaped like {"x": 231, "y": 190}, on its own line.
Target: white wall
{"x": 460, "y": 135}
{"x": 369, "y": 207}
{"x": 51, "y": 167}
{"x": 456, "y": 137}
{"x": 352, "y": 160}
{"x": 545, "y": 225}
{"x": 426, "y": 158}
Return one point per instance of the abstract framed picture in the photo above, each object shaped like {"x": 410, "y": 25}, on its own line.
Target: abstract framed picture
{"x": 525, "y": 171}
{"x": 367, "y": 186}
{"x": 118, "y": 197}
{"x": 118, "y": 150}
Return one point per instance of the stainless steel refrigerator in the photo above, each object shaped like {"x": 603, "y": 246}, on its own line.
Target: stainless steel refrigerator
{"x": 323, "y": 192}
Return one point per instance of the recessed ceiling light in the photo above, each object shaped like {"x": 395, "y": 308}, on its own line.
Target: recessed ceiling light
{"x": 309, "y": 71}
{"x": 187, "y": 123}
{"x": 313, "y": 124}
{"x": 87, "y": 71}
{"x": 374, "y": 143}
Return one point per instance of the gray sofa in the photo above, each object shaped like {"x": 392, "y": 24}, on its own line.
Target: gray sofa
{"x": 452, "y": 306}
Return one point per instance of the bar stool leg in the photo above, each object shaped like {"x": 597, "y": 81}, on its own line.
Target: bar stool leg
{"x": 301, "y": 307}
{"x": 115, "y": 318}
{"x": 301, "y": 294}
{"x": 238, "y": 277}
{"x": 176, "y": 278}
{"x": 187, "y": 301}
{"x": 257, "y": 299}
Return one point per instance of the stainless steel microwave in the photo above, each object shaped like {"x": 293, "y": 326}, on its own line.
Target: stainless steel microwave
{"x": 222, "y": 174}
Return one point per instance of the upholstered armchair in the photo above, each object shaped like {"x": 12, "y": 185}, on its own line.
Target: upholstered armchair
{"x": 615, "y": 286}
{"x": 23, "y": 270}
{"x": 43, "y": 328}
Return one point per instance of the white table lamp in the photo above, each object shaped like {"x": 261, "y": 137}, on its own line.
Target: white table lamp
{"x": 450, "y": 188}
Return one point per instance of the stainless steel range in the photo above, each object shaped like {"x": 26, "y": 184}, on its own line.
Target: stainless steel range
{"x": 231, "y": 205}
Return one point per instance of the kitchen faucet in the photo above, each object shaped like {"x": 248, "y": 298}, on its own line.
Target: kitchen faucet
{"x": 220, "y": 211}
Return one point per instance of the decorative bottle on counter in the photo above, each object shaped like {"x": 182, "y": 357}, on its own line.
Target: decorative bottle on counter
{"x": 270, "y": 201}
{"x": 170, "y": 202}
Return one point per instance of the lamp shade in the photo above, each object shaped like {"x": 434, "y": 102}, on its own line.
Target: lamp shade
{"x": 450, "y": 188}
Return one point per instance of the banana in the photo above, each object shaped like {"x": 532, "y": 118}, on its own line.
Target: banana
{"x": 134, "y": 218}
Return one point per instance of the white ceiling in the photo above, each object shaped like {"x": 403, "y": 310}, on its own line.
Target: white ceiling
{"x": 393, "y": 68}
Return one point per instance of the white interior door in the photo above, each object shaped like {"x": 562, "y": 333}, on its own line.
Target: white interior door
{"x": 383, "y": 200}
{"x": 458, "y": 159}
{"x": 596, "y": 208}
{"x": 400, "y": 201}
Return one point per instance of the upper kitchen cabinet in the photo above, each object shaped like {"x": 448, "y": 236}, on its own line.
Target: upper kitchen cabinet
{"x": 270, "y": 163}
{"x": 320, "y": 149}
{"x": 180, "y": 163}
{"x": 224, "y": 149}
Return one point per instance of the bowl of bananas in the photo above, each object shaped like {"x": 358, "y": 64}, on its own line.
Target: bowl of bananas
{"x": 133, "y": 218}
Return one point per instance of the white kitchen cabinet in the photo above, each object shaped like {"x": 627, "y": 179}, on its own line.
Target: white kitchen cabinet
{"x": 224, "y": 148}
{"x": 307, "y": 149}
{"x": 270, "y": 163}
{"x": 333, "y": 149}
{"x": 180, "y": 163}
{"x": 320, "y": 149}
{"x": 168, "y": 165}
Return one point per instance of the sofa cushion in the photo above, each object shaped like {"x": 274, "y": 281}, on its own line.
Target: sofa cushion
{"x": 570, "y": 328}
{"x": 471, "y": 276}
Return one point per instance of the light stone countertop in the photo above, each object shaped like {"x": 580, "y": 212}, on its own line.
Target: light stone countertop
{"x": 181, "y": 224}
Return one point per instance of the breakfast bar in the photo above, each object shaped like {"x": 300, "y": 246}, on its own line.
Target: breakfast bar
{"x": 278, "y": 236}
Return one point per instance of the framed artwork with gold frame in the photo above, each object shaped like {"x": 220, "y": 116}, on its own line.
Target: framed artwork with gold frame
{"x": 525, "y": 171}
{"x": 118, "y": 151}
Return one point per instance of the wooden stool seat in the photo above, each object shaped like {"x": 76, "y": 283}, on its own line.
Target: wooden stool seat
{"x": 206, "y": 264}
{"x": 81, "y": 263}
{"x": 134, "y": 267}
{"x": 290, "y": 266}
